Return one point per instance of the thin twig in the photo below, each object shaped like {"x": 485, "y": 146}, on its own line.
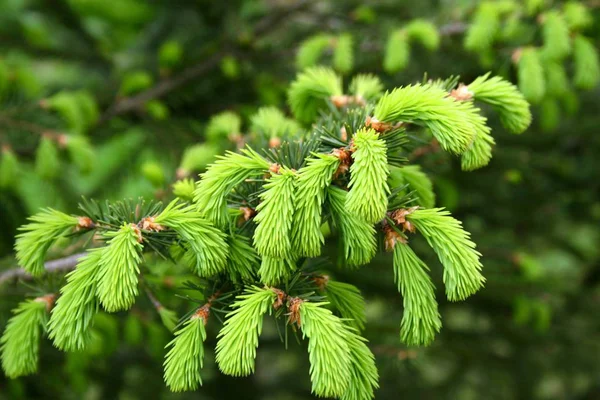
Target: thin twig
{"x": 64, "y": 264}
{"x": 157, "y": 304}
{"x": 26, "y": 126}
{"x": 454, "y": 28}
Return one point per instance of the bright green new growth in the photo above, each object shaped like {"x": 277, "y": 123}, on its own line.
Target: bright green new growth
{"x": 9, "y": 166}
{"x": 397, "y": 52}
{"x": 531, "y": 75}
{"x": 37, "y": 237}
{"x": 505, "y": 99}
{"x": 219, "y": 180}
{"x": 168, "y": 318}
{"x": 363, "y": 374}
{"x": 73, "y": 315}
{"x": 557, "y": 83}
{"x": 243, "y": 259}
{"x": 238, "y": 339}
{"x": 367, "y": 86}
{"x": 343, "y": 57}
{"x": 308, "y": 93}
{"x": 184, "y": 189}
{"x": 347, "y": 300}
{"x": 312, "y": 181}
{"x": 483, "y": 29}
{"x": 197, "y": 157}
{"x": 455, "y": 250}
{"x": 423, "y": 32}
{"x": 275, "y": 215}
{"x": 270, "y": 122}
{"x": 367, "y": 197}
{"x": 430, "y": 106}
{"x": 421, "y": 319}
{"x": 20, "y": 341}
{"x": 47, "y": 162}
{"x": 577, "y": 15}
{"x": 479, "y": 153}
{"x": 587, "y": 64}
{"x": 311, "y": 50}
{"x": 81, "y": 152}
{"x": 357, "y": 236}
{"x": 222, "y": 126}
{"x": 328, "y": 349}
{"x": 557, "y": 43}
{"x": 206, "y": 249}
{"x": 274, "y": 270}
{"x": 274, "y": 222}
{"x": 397, "y": 48}
{"x": 119, "y": 268}
{"x": 549, "y": 114}
{"x": 417, "y": 181}
{"x": 184, "y": 360}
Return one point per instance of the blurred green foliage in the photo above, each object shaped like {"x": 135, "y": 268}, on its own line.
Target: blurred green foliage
{"x": 113, "y": 100}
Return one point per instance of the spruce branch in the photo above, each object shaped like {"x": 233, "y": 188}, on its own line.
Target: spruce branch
{"x": 556, "y": 36}
{"x": 219, "y": 180}
{"x": 343, "y": 56}
{"x": 455, "y": 250}
{"x": 73, "y": 315}
{"x": 530, "y": 74}
{"x": 223, "y": 127}
{"x": 9, "y": 167}
{"x": 366, "y": 86}
{"x": 271, "y": 124}
{"x": 368, "y": 194}
{"x": 275, "y": 270}
{"x": 243, "y": 260}
{"x": 119, "y": 268}
{"x": 505, "y": 99}
{"x": 357, "y": 236}
{"x": 557, "y": 82}
{"x": 328, "y": 350}
{"x": 484, "y": 28}
{"x": 417, "y": 181}
{"x": 206, "y": 249}
{"x": 238, "y": 339}
{"x": 184, "y": 189}
{"x": 397, "y": 52}
{"x": 37, "y": 237}
{"x": 309, "y": 92}
{"x": 587, "y": 63}
{"x": 185, "y": 358}
{"x": 345, "y": 299}
{"x": 363, "y": 374}
{"x": 19, "y": 344}
{"x": 312, "y": 181}
{"x": 311, "y": 50}
{"x": 421, "y": 319}
{"x": 58, "y": 265}
{"x": 430, "y": 106}
{"x": 424, "y": 32}
{"x": 275, "y": 215}
{"x": 479, "y": 153}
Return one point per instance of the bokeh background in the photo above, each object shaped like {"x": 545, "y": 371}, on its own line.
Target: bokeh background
{"x": 110, "y": 100}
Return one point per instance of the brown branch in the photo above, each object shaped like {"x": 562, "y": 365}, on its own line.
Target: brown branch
{"x": 134, "y": 103}
{"x": 454, "y": 28}
{"x": 64, "y": 264}
{"x": 27, "y": 126}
